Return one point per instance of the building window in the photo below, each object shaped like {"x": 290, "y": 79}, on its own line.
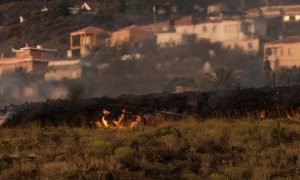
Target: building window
{"x": 281, "y": 52}
{"x": 204, "y": 28}
{"x": 250, "y": 46}
{"x": 275, "y": 51}
{"x": 76, "y": 41}
{"x": 290, "y": 51}
{"x": 268, "y": 51}
{"x": 214, "y": 29}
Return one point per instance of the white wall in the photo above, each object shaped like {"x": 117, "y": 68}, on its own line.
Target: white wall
{"x": 168, "y": 39}
{"x": 248, "y": 45}
{"x": 189, "y": 29}
{"x": 229, "y": 32}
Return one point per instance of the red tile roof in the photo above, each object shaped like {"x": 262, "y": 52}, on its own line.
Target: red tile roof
{"x": 158, "y": 25}
{"x": 90, "y": 30}
{"x": 132, "y": 27}
{"x": 211, "y": 21}
{"x": 183, "y": 21}
{"x": 290, "y": 40}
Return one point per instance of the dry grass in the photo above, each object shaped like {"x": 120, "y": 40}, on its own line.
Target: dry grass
{"x": 213, "y": 149}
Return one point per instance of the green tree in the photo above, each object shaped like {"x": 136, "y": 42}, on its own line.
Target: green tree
{"x": 58, "y": 8}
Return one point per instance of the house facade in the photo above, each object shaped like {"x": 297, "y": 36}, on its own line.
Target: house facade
{"x": 168, "y": 33}
{"x": 285, "y": 52}
{"x": 232, "y": 33}
{"x": 131, "y": 34}
{"x": 84, "y": 39}
{"x": 29, "y": 58}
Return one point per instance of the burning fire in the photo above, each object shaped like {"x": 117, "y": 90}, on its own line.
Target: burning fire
{"x": 4, "y": 118}
{"x": 121, "y": 122}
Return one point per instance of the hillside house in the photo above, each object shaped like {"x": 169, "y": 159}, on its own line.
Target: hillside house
{"x": 30, "y": 58}
{"x": 132, "y": 34}
{"x": 232, "y": 33}
{"x": 285, "y": 51}
{"x": 83, "y": 40}
{"x": 90, "y": 7}
{"x": 223, "y": 30}
{"x": 166, "y": 32}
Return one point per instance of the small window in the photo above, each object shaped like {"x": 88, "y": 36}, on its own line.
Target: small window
{"x": 290, "y": 51}
{"x": 250, "y": 46}
{"x": 204, "y": 28}
{"x": 292, "y": 18}
{"x": 268, "y": 51}
{"x": 76, "y": 40}
{"x": 214, "y": 28}
{"x": 281, "y": 52}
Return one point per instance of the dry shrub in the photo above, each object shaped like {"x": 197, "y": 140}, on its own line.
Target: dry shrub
{"x": 190, "y": 176}
{"x": 27, "y": 170}
{"x": 263, "y": 172}
{"x": 57, "y": 170}
{"x": 206, "y": 164}
{"x": 174, "y": 145}
{"x": 238, "y": 172}
{"x": 218, "y": 176}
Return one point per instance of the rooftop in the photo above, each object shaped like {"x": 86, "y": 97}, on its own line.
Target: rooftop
{"x": 132, "y": 27}
{"x": 290, "y": 40}
{"x": 36, "y": 48}
{"x": 267, "y": 9}
{"x": 92, "y": 4}
{"x": 89, "y": 30}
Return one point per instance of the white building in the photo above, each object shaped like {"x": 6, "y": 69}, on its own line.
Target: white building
{"x": 243, "y": 34}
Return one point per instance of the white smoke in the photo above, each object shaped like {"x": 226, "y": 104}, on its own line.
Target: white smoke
{"x": 4, "y": 118}
{"x": 207, "y": 69}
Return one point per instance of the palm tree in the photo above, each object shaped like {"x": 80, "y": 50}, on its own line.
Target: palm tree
{"x": 223, "y": 78}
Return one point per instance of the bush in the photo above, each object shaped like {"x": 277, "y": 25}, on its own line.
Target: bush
{"x": 238, "y": 173}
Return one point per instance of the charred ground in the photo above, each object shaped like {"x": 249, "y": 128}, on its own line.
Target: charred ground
{"x": 272, "y": 103}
